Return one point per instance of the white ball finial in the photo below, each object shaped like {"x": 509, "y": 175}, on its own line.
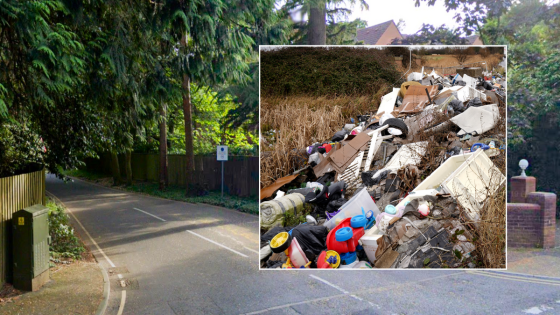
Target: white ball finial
{"x": 523, "y": 164}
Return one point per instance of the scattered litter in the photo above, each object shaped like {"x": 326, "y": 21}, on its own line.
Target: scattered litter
{"x": 399, "y": 186}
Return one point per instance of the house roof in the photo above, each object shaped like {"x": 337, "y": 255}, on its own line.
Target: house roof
{"x": 371, "y": 35}
{"x": 471, "y": 39}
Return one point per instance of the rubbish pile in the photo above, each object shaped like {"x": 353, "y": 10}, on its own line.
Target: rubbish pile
{"x": 401, "y": 187}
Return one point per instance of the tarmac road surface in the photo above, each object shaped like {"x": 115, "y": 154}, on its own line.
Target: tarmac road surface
{"x": 180, "y": 258}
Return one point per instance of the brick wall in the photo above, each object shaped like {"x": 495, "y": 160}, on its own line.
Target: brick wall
{"x": 531, "y": 220}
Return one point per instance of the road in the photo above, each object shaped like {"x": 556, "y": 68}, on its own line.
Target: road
{"x": 181, "y": 258}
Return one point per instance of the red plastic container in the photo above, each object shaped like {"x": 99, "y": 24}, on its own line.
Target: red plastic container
{"x": 346, "y": 246}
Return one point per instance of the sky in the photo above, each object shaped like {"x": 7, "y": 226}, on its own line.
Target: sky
{"x": 381, "y": 11}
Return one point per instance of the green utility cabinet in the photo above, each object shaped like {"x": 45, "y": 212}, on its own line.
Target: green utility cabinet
{"x": 30, "y": 228}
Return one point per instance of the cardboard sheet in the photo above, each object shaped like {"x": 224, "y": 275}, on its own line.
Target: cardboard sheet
{"x": 325, "y": 165}
{"x": 343, "y": 157}
{"x": 268, "y": 191}
{"x": 416, "y": 98}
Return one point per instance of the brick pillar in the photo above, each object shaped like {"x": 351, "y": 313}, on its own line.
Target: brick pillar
{"x": 521, "y": 187}
{"x": 547, "y": 224}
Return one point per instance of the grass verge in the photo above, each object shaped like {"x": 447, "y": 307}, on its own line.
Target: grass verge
{"x": 249, "y": 205}
{"x": 243, "y": 204}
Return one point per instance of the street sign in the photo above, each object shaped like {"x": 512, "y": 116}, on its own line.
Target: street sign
{"x": 222, "y": 153}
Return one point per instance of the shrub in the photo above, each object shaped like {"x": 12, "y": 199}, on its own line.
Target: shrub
{"x": 63, "y": 241}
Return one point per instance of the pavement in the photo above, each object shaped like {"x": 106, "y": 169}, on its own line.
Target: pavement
{"x": 170, "y": 257}
{"x": 535, "y": 261}
{"x": 73, "y": 289}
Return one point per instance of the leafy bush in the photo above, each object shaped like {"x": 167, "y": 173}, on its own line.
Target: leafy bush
{"x": 63, "y": 241}
{"x": 21, "y": 150}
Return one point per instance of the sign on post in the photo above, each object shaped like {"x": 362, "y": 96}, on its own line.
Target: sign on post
{"x": 222, "y": 155}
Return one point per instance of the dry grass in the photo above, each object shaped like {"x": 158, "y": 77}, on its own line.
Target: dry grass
{"x": 290, "y": 124}
{"x": 490, "y": 235}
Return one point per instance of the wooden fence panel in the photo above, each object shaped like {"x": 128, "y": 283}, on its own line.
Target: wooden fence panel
{"x": 16, "y": 192}
{"x": 241, "y": 173}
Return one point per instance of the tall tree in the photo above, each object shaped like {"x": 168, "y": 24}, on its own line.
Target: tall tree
{"x": 213, "y": 47}
{"x": 320, "y": 14}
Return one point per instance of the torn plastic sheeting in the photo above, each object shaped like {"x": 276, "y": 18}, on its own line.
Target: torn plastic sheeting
{"x": 269, "y": 190}
{"x": 388, "y": 102}
{"x": 416, "y": 98}
{"x": 415, "y": 76}
{"x": 477, "y": 119}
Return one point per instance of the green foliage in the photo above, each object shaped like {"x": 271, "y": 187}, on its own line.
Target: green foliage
{"x": 91, "y": 76}
{"x": 473, "y": 14}
{"x": 426, "y": 261}
{"x": 211, "y": 113}
{"x": 430, "y": 35}
{"x": 20, "y": 150}
{"x": 344, "y": 33}
{"x": 43, "y": 63}
{"x": 63, "y": 241}
{"x": 321, "y": 71}
{"x": 292, "y": 220}
{"x": 249, "y": 205}
{"x": 458, "y": 254}
{"x": 531, "y": 30}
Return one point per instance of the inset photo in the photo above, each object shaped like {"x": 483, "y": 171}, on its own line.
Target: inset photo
{"x": 382, "y": 157}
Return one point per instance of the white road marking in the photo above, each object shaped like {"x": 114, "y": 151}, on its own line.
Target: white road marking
{"x": 254, "y": 251}
{"x": 123, "y": 300}
{"x": 514, "y": 278}
{"x": 537, "y": 309}
{"x": 123, "y": 296}
{"x": 155, "y": 216}
{"x": 330, "y": 284}
{"x": 237, "y": 241}
{"x": 213, "y": 242}
{"x": 87, "y": 233}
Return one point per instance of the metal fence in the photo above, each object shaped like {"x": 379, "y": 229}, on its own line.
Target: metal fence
{"x": 241, "y": 173}
{"x": 16, "y": 192}
{"x": 453, "y": 69}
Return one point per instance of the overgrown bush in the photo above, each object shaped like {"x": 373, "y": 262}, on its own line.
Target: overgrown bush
{"x": 63, "y": 241}
{"x": 332, "y": 71}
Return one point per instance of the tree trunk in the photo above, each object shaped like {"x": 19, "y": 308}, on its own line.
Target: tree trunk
{"x": 128, "y": 167}
{"x": 117, "y": 180}
{"x": 187, "y": 106}
{"x": 317, "y": 27}
{"x": 163, "y": 178}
